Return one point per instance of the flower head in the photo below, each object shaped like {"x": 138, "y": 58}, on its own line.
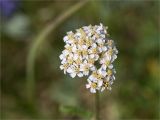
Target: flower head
{"x": 85, "y": 48}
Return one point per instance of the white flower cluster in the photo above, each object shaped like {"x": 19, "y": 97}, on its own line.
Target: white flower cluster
{"x": 86, "y": 49}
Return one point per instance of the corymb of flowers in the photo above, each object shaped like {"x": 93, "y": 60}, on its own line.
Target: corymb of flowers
{"x": 90, "y": 52}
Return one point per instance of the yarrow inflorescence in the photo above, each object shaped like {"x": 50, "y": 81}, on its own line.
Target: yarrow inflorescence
{"x": 84, "y": 49}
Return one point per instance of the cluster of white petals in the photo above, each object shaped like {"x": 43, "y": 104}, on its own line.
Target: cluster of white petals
{"x": 86, "y": 48}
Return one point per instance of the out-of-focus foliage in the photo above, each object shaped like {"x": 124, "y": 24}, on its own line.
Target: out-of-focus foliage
{"x": 133, "y": 25}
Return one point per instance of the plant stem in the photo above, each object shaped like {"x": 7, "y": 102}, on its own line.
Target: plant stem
{"x": 97, "y": 106}
{"x": 39, "y": 40}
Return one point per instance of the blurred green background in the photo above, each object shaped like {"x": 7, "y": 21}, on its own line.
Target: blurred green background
{"x": 33, "y": 86}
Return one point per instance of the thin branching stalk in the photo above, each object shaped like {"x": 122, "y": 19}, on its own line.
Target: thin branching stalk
{"x": 39, "y": 40}
{"x": 97, "y": 106}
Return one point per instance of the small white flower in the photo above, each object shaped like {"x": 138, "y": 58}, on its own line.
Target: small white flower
{"x": 62, "y": 56}
{"x": 75, "y": 56}
{"x": 106, "y": 84}
{"x": 64, "y": 67}
{"x": 73, "y": 71}
{"x": 106, "y": 62}
{"x": 65, "y": 38}
{"x": 85, "y": 68}
{"x": 110, "y": 74}
{"x": 92, "y": 86}
{"x": 101, "y": 72}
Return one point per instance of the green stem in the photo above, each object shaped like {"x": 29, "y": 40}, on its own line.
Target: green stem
{"x": 97, "y": 106}
{"x": 39, "y": 40}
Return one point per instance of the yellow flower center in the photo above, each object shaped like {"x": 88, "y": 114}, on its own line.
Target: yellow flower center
{"x": 69, "y": 48}
{"x": 99, "y": 77}
{"x": 78, "y": 52}
{"x": 94, "y": 50}
{"x": 86, "y": 68}
{"x": 106, "y": 84}
{"x": 76, "y": 69}
{"x": 71, "y": 38}
{"x": 70, "y": 61}
{"x": 88, "y": 42}
{"x": 93, "y": 85}
{"x": 81, "y": 42}
{"x": 94, "y": 74}
{"x": 109, "y": 72}
{"x": 82, "y": 32}
{"x": 110, "y": 52}
{"x": 78, "y": 61}
{"x": 110, "y": 42}
{"x": 85, "y": 52}
{"x": 65, "y": 66}
{"x": 91, "y": 61}
{"x": 107, "y": 63}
